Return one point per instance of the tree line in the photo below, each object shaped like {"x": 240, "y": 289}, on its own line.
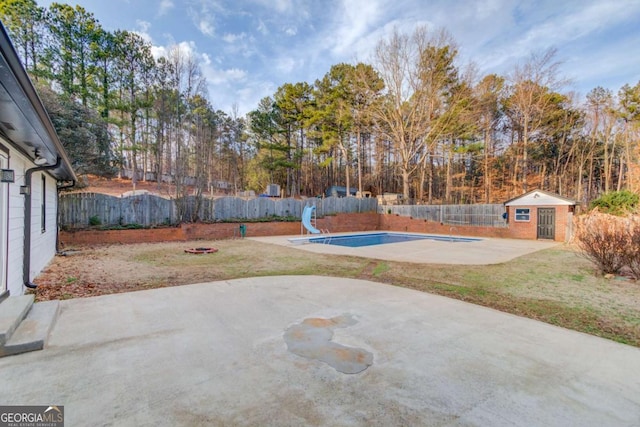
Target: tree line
{"x": 413, "y": 121}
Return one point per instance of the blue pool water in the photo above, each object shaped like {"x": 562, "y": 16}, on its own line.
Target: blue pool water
{"x": 358, "y": 240}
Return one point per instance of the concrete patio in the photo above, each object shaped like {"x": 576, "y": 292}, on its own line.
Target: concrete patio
{"x": 216, "y": 354}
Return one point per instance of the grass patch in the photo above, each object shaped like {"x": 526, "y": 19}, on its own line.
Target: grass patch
{"x": 380, "y": 268}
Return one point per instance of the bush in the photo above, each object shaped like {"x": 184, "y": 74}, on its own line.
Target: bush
{"x": 132, "y": 226}
{"x": 603, "y": 239}
{"x": 94, "y": 220}
{"x": 632, "y": 254}
{"x": 611, "y": 242}
{"x": 617, "y": 202}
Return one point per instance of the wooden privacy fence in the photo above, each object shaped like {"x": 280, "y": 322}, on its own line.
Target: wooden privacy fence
{"x": 474, "y": 215}
{"x": 78, "y": 210}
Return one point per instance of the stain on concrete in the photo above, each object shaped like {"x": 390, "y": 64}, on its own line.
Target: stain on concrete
{"x": 312, "y": 338}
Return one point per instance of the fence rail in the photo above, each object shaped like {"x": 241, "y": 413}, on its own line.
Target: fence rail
{"x": 77, "y": 210}
{"x": 474, "y": 215}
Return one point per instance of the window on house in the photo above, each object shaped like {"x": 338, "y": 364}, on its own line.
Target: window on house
{"x": 522, "y": 214}
{"x": 43, "y": 206}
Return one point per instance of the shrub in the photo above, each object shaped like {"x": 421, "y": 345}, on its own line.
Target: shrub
{"x": 94, "y": 220}
{"x": 132, "y": 226}
{"x": 603, "y": 239}
{"x": 632, "y": 253}
{"x": 617, "y": 202}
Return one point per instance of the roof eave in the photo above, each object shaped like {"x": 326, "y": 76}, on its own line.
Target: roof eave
{"x": 570, "y": 201}
{"x": 65, "y": 171}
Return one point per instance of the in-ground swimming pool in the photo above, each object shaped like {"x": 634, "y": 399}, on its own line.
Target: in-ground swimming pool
{"x": 358, "y": 240}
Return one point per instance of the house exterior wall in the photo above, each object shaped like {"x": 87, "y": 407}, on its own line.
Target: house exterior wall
{"x": 529, "y": 229}
{"x": 15, "y": 239}
{"x": 43, "y": 244}
{"x": 4, "y": 215}
{"x": 534, "y": 200}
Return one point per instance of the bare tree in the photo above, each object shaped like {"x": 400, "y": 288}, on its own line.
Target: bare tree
{"x": 531, "y": 85}
{"x": 417, "y": 71}
{"x": 602, "y": 115}
{"x": 489, "y": 93}
{"x": 629, "y": 98}
{"x": 188, "y": 83}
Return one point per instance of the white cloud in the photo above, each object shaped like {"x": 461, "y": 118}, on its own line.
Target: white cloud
{"x": 277, "y": 5}
{"x": 143, "y": 30}
{"x": 360, "y": 24}
{"x": 143, "y": 26}
{"x": 165, "y": 6}
{"x": 488, "y": 9}
{"x": 206, "y": 28}
{"x": 607, "y": 67}
{"x": 217, "y": 76}
{"x": 158, "y": 51}
{"x": 248, "y": 96}
{"x": 358, "y": 16}
{"x": 187, "y": 48}
{"x": 232, "y": 38}
{"x": 202, "y": 13}
{"x": 518, "y": 33}
{"x": 262, "y": 28}
{"x": 564, "y": 28}
{"x": 287, "y": 64}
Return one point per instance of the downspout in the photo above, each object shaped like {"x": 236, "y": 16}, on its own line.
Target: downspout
{"x": 61, "y": 187}
{"x": 26, "y": 257}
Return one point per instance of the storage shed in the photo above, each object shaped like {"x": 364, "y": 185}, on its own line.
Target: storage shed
{"x": 539, "y": 214}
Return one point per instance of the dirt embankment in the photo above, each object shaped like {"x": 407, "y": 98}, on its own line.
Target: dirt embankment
{"x": 118, "y": 186}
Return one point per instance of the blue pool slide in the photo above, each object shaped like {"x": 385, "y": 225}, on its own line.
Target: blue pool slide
{"x": 306, "y": 219}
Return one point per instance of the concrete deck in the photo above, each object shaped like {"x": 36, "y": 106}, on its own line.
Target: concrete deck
{"x": 485, "y": 251}
{"x": 217, "y": 354}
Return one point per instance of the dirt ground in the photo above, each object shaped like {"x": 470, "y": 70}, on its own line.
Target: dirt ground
{"x": 100, "y": 270}
{"x": 108, "y": 269}
{"x": 118, "y": 186}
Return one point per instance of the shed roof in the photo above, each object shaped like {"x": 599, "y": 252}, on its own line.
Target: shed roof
{"x": 24, "y": 122}
{"x": 539, "y": 198}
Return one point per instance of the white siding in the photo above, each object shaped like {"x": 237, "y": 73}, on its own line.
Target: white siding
{"x": 43, "y": 245}
{"x": 4, "y": 206}
{"x": 16, "y": 225}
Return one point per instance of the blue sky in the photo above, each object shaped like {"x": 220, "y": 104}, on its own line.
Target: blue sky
{"x": 248, "y": 48}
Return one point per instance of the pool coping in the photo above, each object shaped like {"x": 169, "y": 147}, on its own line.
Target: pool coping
{"x": 422, "y": 236}
{"x": 483, "y": 252}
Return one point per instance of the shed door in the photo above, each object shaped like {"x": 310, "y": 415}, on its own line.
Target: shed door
{"x": 546, "y": 223}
